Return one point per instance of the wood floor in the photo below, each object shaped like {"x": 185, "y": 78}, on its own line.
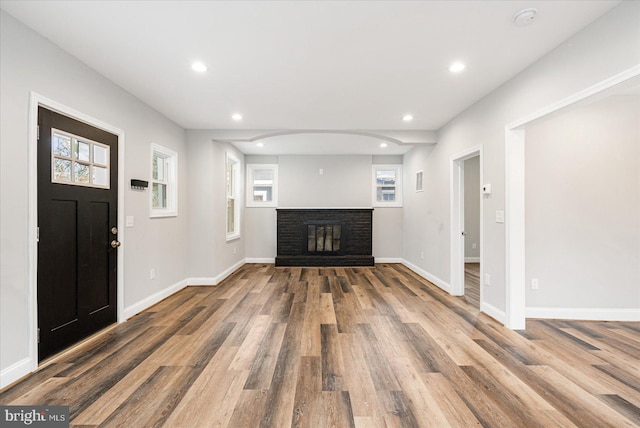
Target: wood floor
{"x": 343, "y": 347}
{"x": 472, "y": 284}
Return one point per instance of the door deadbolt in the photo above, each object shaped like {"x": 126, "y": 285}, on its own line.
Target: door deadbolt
{"x": 114, "y": 230}
{"x": 115, "y": 244}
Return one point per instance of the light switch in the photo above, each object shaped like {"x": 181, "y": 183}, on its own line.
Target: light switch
{"x": 499, "y": 216}
{"x": 129, "y": 221}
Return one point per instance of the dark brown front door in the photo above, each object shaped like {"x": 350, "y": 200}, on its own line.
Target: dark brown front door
{"x": 77, "y": 219}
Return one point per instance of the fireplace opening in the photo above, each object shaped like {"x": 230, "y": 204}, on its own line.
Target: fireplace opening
{"x": 324, "y": 238}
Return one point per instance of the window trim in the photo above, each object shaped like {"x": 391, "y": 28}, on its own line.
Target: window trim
{"x": 251, "y": 168}
{"x": 172, "y": 182}
{"x": 235, "y": 234}
{"x": 398, "y": 185}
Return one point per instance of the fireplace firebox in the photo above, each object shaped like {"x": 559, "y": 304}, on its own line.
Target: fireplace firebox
{"x": 324, "y": 237}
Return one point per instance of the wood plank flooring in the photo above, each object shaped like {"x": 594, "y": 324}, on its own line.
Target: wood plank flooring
{"x": 340, "y": 347}
{"x": 472, "y": 284}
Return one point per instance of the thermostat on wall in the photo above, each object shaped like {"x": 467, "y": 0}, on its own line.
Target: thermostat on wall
{"x": 486, "y": 189}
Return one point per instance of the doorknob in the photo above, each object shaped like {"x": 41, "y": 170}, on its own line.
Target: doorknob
{"x": 115, "y": 244}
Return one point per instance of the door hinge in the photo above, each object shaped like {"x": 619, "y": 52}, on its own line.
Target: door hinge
{"x": 38, "y": 133}
{"x": 38, "y": 234}
{"x": 38, "y": 335}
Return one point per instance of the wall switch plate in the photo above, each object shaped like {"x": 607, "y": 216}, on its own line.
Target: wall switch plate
{"x": 474, "y": 246}
{"x": 129, "y": 221}
{"x": 487, "y": 279}
{"x": 499, "y": 216}
{"x": 534, "y": 283}
{"x": 321, "y": 171}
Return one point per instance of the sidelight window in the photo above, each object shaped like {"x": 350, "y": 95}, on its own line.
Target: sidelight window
{"x": 79, "y": 161}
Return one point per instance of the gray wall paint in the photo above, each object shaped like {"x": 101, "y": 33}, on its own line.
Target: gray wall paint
{"x": 210, "y": 254}
{"x": 345, "y": 182}
{"x": 472, "y": 207}
{"x": 583, "y": 207}
{"x": 152, "y": 243}
{"x": 608, "y": 46}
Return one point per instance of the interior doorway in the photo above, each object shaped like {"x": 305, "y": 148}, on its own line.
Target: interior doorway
{"x": 466, "y": 225}
{"x": 471, "y": 237}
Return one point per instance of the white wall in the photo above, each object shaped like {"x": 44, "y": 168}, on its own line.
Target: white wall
{"x": 211, "y": 256}
{"x": 583, "y": 207}
{"x": 472, "y": 207}
{"x": 29, "y": 62}
{"x": 605, "y": 48}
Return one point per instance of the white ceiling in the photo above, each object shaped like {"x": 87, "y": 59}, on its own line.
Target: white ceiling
{"x": 326, "y": 65}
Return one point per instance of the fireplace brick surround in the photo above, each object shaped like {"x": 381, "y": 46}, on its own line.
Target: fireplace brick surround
{"x": 324, "y": 237}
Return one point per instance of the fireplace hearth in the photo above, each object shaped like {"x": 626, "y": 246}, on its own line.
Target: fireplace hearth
{"x": 324, "y": 237}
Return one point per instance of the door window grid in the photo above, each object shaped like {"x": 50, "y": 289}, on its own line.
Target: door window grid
{"x": 78, "y": 161}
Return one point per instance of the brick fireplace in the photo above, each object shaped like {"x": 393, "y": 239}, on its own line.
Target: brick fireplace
{"x": 324, "y": 237}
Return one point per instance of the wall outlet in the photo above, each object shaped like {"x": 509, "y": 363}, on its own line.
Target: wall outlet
{"x": 487, "y": 279}
{"x": 534, "y": 283}
{"x": 421, "y": 255}
{"x": 321, "y": 171}
{"x": 474, "y": 246}
{"x": 152, "y": 274}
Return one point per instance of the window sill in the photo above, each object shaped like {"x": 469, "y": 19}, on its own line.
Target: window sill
{"x": 163, "y": 214}
{"x": 233, "y": 237}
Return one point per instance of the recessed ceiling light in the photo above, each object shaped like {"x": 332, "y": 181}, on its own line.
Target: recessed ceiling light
{"x": 260, "y": 144}
{"x": 383, "y": 145}
{"x": 524, "y": 17}
{"x": 199, "y": 67}
{"x": 456, "y": 67}
{"x": 407, "y": 118}
{"x": 236, "y": 116}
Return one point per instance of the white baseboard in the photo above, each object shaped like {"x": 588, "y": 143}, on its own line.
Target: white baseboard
{"x": 149, "y": 301}
{"x": 429, "y": 277}
{"x": 260, "y": 260}
{"x": 472, "y": 259}
{"x": 584, "y": 314}
{"x": 200, "y": 281}
{"x": 16, "y": 371}
{"x": 387, "y": 260}
{"x": 495, "y": 313}
{"x": 219, "y": 278}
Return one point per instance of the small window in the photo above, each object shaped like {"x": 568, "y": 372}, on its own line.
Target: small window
{"x": 387, "y": 185}
{"x": 164, "y": 182}
{"x": 262, "y": 185}
{"x": 232, "y": 170}
{"x": 78, "y": 161}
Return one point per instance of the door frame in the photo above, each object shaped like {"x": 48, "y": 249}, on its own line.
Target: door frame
{"x": 456, "y": 259}
{"x": 36, "y": 100}
{"x": 515, "y": 283}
